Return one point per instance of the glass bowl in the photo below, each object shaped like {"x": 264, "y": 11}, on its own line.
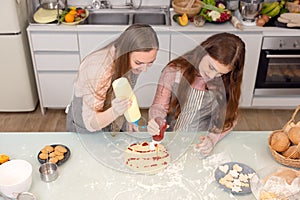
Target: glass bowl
{"x": 276, "y": 182}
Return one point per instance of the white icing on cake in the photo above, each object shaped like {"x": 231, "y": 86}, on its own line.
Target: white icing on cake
{"x": 140, "y": 158}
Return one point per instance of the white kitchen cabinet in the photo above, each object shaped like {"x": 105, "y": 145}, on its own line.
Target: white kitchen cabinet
{"x": 182, "y": 42}
{"x": 91, "y": 41}
{"x": 56, "y": 58}
{"x": 54, "y": 41}
{"x": 147, "y": 82}
{"x": 253, "y": 43}
{"x": 56, "y": 88}
{"x": 60, "y": 61}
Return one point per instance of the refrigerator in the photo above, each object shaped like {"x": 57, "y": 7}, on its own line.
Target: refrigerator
{"x": 18, "y": 91}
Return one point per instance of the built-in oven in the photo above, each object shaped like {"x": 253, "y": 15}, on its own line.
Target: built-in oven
{"x": 278, "y": 72}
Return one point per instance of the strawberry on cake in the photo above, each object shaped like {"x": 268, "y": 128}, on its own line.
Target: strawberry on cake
{"x": 142, "y": 159}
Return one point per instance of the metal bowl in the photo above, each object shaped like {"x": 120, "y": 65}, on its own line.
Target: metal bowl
{"x": 48, "y": 172}
{"x": 249, "y": 9}
{"x": 52, "y": 5}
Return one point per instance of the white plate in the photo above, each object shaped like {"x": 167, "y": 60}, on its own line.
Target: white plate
{"x": 44, "y": 16}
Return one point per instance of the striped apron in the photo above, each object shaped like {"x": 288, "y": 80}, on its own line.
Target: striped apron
{"x": 200, "y": 110}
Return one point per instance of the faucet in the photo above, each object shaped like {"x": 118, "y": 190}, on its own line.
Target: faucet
{"x": 101, "y": 4}
{"x": 58, "y": 7}
{"x": 131, "y": 5}
{"x": 105, "y": 4}
{"x": 66, "y": 3}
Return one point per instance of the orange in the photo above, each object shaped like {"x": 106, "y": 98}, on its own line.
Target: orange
{"x": 3, "y": 158}
{"x": 73, "y": 12}
{"x": 69, "y": 18}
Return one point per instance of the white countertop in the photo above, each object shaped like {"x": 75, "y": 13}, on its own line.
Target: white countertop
{"x": 188, "y": 177}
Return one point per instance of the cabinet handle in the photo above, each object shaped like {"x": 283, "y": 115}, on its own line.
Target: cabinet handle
{"x": 283, "y": 56}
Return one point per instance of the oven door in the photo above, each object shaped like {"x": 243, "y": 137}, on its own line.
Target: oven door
{"x": 278, "y": 73}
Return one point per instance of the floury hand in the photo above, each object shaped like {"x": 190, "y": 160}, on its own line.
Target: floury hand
{"x": 205, "y": 146}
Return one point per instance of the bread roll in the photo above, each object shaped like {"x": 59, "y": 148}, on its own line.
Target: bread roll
{"x": 294, "y": 135}
{"x": 292, "y": 152}
{"x": 280, "y": 141}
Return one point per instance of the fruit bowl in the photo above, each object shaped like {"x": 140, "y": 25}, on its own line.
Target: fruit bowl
{"x": 79, "y": 18}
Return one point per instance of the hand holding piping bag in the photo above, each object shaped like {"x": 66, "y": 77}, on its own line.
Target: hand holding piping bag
{"x": 153, "y": 127}
{"x": 156, "y": 127}
{"x": 120, "y": 105}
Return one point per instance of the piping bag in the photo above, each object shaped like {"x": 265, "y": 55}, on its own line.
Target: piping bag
{"x": 122, "y": 89}
{"x": 156, "y": 139}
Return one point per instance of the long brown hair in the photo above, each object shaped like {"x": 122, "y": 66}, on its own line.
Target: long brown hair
{"x": 136, "y": 38}
{"x": 226, "y": 48}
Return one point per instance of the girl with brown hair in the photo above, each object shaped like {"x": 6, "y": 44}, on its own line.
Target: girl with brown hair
{"x": 200, "y": 90}
{"x": 94, "y": 107}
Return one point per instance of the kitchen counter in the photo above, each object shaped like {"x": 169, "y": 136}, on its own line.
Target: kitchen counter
{"x": 228, "y": 27}
{"x": 85, "y": 176}
{"x": 208, "y": 27}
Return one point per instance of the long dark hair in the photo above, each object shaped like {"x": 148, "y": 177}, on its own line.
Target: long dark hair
{"x": 226, "y": 48}
{"x": 136, "y": 38}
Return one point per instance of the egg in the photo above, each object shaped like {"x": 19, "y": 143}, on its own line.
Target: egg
{"x": 280, "y": 141}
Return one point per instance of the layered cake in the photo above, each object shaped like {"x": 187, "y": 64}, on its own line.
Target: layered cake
{"x": 143, "y": 159}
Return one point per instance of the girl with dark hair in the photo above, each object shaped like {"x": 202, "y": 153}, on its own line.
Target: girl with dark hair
{"x": 200, "y": 90}
{"x": 94, "y": 107}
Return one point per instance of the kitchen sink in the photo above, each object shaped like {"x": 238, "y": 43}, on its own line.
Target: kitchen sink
{"x": 149, "y": 18}
{"x": 128, "y": 16}
{"x": 108, "y": 18}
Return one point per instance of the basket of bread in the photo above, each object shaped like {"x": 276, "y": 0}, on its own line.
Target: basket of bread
{"x": 189, "y": 7}
{"x": 284, "y": 144}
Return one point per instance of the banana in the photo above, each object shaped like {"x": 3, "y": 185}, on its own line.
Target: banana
{"x": 274, "y": 12}
{"x": 282, "y": 3}
{"x": 269, "y": 7}
{"x": 266, "y": 4}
